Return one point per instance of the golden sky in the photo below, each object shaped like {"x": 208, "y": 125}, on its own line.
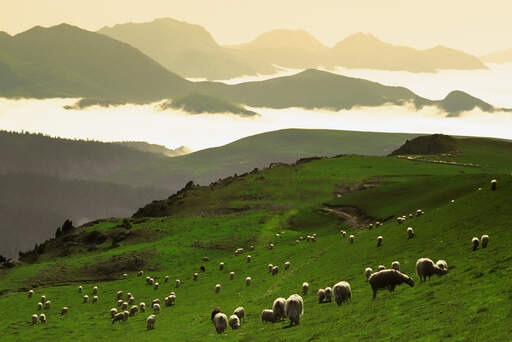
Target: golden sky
{"x": 476, "y": 26}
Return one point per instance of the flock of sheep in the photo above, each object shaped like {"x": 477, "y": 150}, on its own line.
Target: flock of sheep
{"x": 292, "y": 307}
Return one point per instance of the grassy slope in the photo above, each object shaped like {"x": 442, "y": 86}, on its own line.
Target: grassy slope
{"x": 474, "y": 294}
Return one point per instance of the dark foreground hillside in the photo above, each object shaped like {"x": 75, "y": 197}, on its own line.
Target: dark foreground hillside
{"x": 320, "y": 197}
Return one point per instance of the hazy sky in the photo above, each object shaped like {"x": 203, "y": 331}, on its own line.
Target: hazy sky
{"x": 476, "y": 26}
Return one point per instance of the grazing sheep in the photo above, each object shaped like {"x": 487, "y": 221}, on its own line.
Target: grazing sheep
{"x": 221, "y": 322}
{"x": 86, "y": 299}
{"x": 131, "y": 300}
{"x": 206, "y": 259}
{"x": 419, "y": 212}
{"x": 196, "y": 275}
{"x": 221, "y": 266}
{"x": 343, "y": 233}
{"x": 178, "y": 283}
{"x": 172, "y": 298}
{"x": 278, "y": 309}
{"x": 410, "y": 233}
{"x": 118, "y": 317}
{"x": 275, "y": 270}
{"x": 151, "y": 281}
{"x": 271, "y": 245}
{"x": 217, "y": 288}
{"x": 156, "y": 308}
{"x": 43, "y": 299}
{"x": 351, "y": 238}
{"x": 321, "y": 295}
{"x": 494, "y": 184}
{"x": 267, "y": 315}
{"x": 249, "y": 258}
{"x": 294, "y": 308}
{"x": 64, "y": 310}
{"x": 156, "y": 286}
{"x": 39, "y": 306}
{"x": 370, "y": 226}
{"x": 388, "y": 279}
{"x": 368, "y": 272}
{"x": 119, "y": 302}
{"x": 234, "y": 322}
{"x": 148, "y": 279}
{"x": 125, "y": 275}
{"x": 381, "y": 268}
{"x": 150, "y": 322}
{"x": 270, "y": 267}
{"x": 379, "y": 241}
{"x": 426, "y": 268}
{"x": 485, "y": 240}
{"x": 166, "y": 279}
{"x": 328, "y": 294}
{"x": 142, "y": 307}
{"x": 239, "y": 251}
{"x": 231, "y": 275}
{"x": 124, "y": 305}
{"x": 248, "y": 281}
{"x": 202, "y": 268}
{"x": 342, "y": 292}
{"x": 119, "y": 295}
{"x": 30, "y": 293}
{"x": 34, "y": 319}
{"x": 113, "y": 312}
{"x": 395, "y": 265}
{"x": 140, "y": 273}
{"x": 133, "y": 310}
{"x": 475, "y": 243}
{"x": 47, "y": 304}
{"x": 442, "y": 265}
{"x": 251, "y": 248}
{"x": 286, "y": 265}
{"x": 305, "y": 288}
{"x": 95, "y": 290}
{"x": 155, "y": 301}
{"x": 215, "y": 311}
{"x": 42, "y": 318}
{"x": 126, "y": 314}
{"x": 240, "y": 312}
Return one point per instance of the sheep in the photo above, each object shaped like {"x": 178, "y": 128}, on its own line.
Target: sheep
{"x": 206, "y": 259}
{"x": 43, "y": 299}
{"x": 270, "y": 267}
{"x": 172, "y": 298}
{"x": 215, "y": 311}
{"x": 278, "y": 309}
{"x": 86, "y": 299}
{"x": 240, "y": 312}
{"x": 140, "y": 273}
{"x": 381, "y": 268}
{"x": 395, "y": 265}
{"x": 47, "y": 304}
{"x": 34, "y": 319}
{"x": 485, "y": 240}
{"x": 238, "y": 251}
{"x": 410, "y": 233}
{"x": 321, "y": 295}
{"x": 286, "y": 265}
{"x": 328, "y": 294}
{"x": 150, "y": 322}
{"x": 30, "y": 293}
{"x": 133, "y": 310}
{"x": 442, "y": 265}
{"x": 125, "y": 275}
{"x": 221, "y": 322}
{"x": 475, "y": 243}
{"x": 270, "y": 245}
{"x": 278, "y": 235}
{"x": 217, "y": 288}
{"x": 118, "y": 317}
{"x": 124, "y": 305}
{"x": 249, "y": 258}
{"x": 95, "y": 290}
{"x": 42, "y": 318}
{"x": 294, "y": 308}
{"x": 202, "y": 269}
{"x": 231, "y": 275}
{"x": 64, "y": 310}
{"x": 126, "y": 314}
{"x": 342, "y": 292}
{"x": 419, "y": 212}
{"x": 248, "y": 281}
{"x": 156, "y": 308}
{"x": 131, "y": 300}
{"x": 343, "y": 233}
{"x": 379, "y": 241}
{"x": 148, "y": 279}
{"x": 305, "y": 288}
{"x": 129, "y": 294}
{"x": 119, "y": 302}
{"x": 426, "y": 268}
{"x": 221, "y": 266}
{"x": 351, "y": 238}
{"x": 142, "y": 307}
{"x": 196, "y": 275}
{"x": 151, "y": 281}
{"x": 234, "y": 322}
{"x": 370, "y": 226}
{"x": 155, "y": 287}
{"x": 388, "y": 279}
{"x": 267, "y": 316}
{"x": 113, "y": 312}
{"x": 39, "y": 306}
{"x": 155, "y": 301}
{"x": 494, "y": 184}
{"x": 251, "y": 248}
{"x": 166, "y": 279}
{"x": 178, "y": 283}
{"x": 368, "y": 272}
{"x": 275, "y": 270}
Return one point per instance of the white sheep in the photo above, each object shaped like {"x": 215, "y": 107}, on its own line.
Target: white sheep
{"x": 267, "y": 316}
{"x": 131, "y": 300}
{"x": 343, "y": 233}
{"x": 166, "y": 279}
{"x": 328, "y": 294}
{"x": 86, "y": 298}
{"x": 95, "y": 290}
{"x": 178, "y": 283}
{"x": 321, "y": 295}
{"x": 42, "y": 318}
{"x": 234, "y": 322}
{"x": 410, "y": 232}
{"x": 133, "y": 310}
{"x": 286, "y": 265}
{"x": 125, "y": 275}
{"x": 484, "y": 240}
{"x": 381, "y": 268}
{"x": 494, "y": 184}
{"x": 155, "y": 301}
{"x": 113, "y": 312}
{"x": 278, "y": 309}
{"x": 43, "y": 299}
{"x": 248, "y": 281}
{"x": 370, "y": 226}
{"x": 351, "y": 238}
{"x": 118, "y": 317}
{"x": 156, "y": 308}
{"x": 342, "y": 292}
{"x": 240, "y": 312}
{"x": 39, "y": 306}
{"x": 196, "y": 275}
{"x": 426, "y": 268}
{"x": 294, "y": 308}
{"x": 220, "y": 321}
{"x": 379, "y": 241}
{"x": 249, "y": 258}
{"x": 221, "y": 266}
{"x": 64, "y": 310}
{"x": 148, "y": 279}
{"x": 251, "y": 248}
{"x": 171, "y": 299}
{"x": 271, "y": 245}
{"x": 442, "y": 265}
{"x": 119, "y": 295}
{"x": 275, "y": 270}
{"x": 151, "y": 281}
{"x": 206, "y": 259}
{"x": 140, "y": 273}
{"x": 474, "y": 243}
{"x": 395, "y": 265}
{"x": 217, "y": 288}
{"x": 142, "y": 307}
{"x": 150, "y": 322}
{"x": 305, "y": 288}
{"x": 231, "y": 275}
{"x": 156, "y": 286}
{"x": 368, "y": 272}
{"x": 30, "y": 293}
{"x": 270, "y": 267}
{"x": 47, "y": 304}
{"x": 34, "y": 318}
{"x": 124, "y": 305}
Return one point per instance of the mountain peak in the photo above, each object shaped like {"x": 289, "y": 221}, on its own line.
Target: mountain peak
{"x": 362, "y": 38}
{"x": 287, "y": 38}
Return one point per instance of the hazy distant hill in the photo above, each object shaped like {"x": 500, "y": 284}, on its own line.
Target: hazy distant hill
{"x": 503, "y": 56}
{"x": 154, "y": 148}
{"x": 189, "y": 50}
{"x": 198, "y": 103}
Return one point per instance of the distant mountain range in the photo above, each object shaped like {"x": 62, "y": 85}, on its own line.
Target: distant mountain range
{"x": 66, "y": 61}
{"x": 503, "y": 56}
{"x": 154, "y": 148}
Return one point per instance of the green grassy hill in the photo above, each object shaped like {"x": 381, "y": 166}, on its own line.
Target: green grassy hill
{"x": 469, "y": 303}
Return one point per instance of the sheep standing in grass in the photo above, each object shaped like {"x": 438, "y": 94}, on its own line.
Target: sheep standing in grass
{"x": 342, "y": 292}
{"x": 43, "y": 299}
{"x": 275, "y": 270}
{"x": 231, "y": 275}
{"x": 42, "y": 318}
{"x": 234, "y": 322}
{"x": 124, "y": 305}
{"x": 494, "y": 184}
{"x": 240, "y": 312}
{"x": 251, "y": 248}
{"x": 118, "y": 317}
{"x": 426, "y": 268}
{"x": 196, "y": 275}
{"x": 343, "y": 233}
{"x": 156, "y": 308}
{"x": 442, "y": 265}
{"x": 221, "y": 266}
{"x": 221, "y": 322}
{"x": 202, "y": 268}
{"x": 485, "y": 240}
{"x": 217, "y": 288}
{"x": 368, "y": 272}
{"x": 30, "y": 293}
{"x": 248, "y": 281}
{"x": 178, "y": 283}
{"x": 328, "y": 294}
{"x": 86, "y": 299}
{"x": 119, "y": 295}
{"x": 133, "y": 310}
{"x": 278, "y": 309}
{"x": 351, "y": 238}
{"x": 370, "y": 226}
{"x": 395, "y": 265}
{"x": 156, "y": 286}
{"x": 113, "y": 312}
{"x": 166, "y": 279}
{"x": 249, "y": 258}
{"x": 131, "y": 300}
{"x": 388, "y": 279}
{"x": 381, "y": 268}
{"x": 47, "y": 304}
{"x": 39, "y": 306}
{"x": 286, "y": 265}
{"x": 379, "y": 241}
{"x": 410, "y": 233}
{"x": 171, "y": 299}
{"x": 321, "y": 295}
{"x": 305, "y": 288}
{"x": 142, "y": 307}
{"x": 140, "y": 273}
{"x": 125, "y": 275}
{"x": 215, "y": 311}
{"x": 270, "y": 267}
{"x": 271, "y": 245}
{"x": 119, "y": 302}
{"x": 267, "y": 316}
{"x": 34, "y": 319}
{"x": 475, "y": 243}
{"x": 150, "y": 322}
{"x": 95, "y": 290}
{"x": 294, "y": 308}
{"x": 206, "y": 259}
